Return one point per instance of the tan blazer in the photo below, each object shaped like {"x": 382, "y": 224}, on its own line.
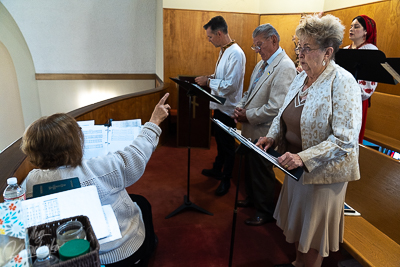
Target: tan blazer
{"x": 330, "y": 124}
{"x": 263, "y": 102}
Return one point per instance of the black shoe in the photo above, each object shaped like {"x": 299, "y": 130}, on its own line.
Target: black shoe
{"x": 259, "y": 220}
{"x": 223, "y": 188}
{"x": 245, "y": 203}
{"x": 212, "y": 173}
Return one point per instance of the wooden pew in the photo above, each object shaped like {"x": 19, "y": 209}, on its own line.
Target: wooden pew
{"x": 383, "y": 121}
{"x": 373, "y": 238}
{"x": 13, "y": 162}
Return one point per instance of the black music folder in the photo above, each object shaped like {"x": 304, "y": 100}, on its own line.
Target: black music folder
{"x": 369, "y": 65}
{"x": 195, "y": 90}
{"x": 271, "y": 156}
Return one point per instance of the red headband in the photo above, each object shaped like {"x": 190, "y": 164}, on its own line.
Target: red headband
{"x": 371, "y": 30}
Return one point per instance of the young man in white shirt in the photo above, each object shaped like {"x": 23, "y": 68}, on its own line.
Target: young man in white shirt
{"x": 226, "y": 82}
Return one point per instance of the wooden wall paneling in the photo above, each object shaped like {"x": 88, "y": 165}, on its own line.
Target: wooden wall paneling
{"x": 286, "y": 26}
{"x": 186, "y": 48}
{"x": 132, "y": 108}
{"x": 100, "y": 116}
{"x": 387, "y": 17}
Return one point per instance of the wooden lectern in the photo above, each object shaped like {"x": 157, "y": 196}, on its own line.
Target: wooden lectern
{"x": 201, "y": 123}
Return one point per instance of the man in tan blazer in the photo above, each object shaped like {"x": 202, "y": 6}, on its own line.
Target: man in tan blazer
{"x": 269, "y": 85}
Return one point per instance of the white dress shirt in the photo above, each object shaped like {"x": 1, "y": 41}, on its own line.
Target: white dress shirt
{"x": 228, "y": 79}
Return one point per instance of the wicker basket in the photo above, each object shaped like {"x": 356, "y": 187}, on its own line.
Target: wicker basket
{"x": 45, "y": 235}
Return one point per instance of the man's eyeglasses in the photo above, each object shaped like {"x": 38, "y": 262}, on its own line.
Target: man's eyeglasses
{"x": 303, "y": 50}
{"x": 257, "y": 47}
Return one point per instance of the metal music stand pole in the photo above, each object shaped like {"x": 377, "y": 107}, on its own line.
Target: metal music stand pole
{"x": 248, "y": 147}
{"x": 241, "y": 150}
{"x": 186, "y": 200}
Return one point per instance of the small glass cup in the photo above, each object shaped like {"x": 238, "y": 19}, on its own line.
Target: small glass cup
{"x": 69, "y": 231}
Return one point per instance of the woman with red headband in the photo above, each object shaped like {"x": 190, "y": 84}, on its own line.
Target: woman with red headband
{"x": 363, "y": 36}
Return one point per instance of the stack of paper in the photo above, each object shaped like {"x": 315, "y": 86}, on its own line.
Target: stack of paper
{"x": 100, "y": 139}
{"x": 80, "y": 201}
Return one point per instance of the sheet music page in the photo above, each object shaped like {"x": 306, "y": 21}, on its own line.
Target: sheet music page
{"x": 127, "y": 123}
{"x": 112, "y": 225}
{"x": 95, "y": 141}
{"x": 75, "y": 202}
{"x": 86, "y": 123}
{"x": 119, "y": 138}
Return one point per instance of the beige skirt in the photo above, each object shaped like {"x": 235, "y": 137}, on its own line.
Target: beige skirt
{"x": 312, "y": 215}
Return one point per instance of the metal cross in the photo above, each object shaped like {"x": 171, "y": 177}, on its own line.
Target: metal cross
{"x": 195, "y": 104}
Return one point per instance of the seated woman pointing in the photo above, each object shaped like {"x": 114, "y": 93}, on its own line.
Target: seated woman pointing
{"x": 54, "y": 145}
{"x": 317, "y": 129}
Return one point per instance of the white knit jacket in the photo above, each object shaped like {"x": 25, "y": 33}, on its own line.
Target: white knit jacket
{"x": 111, "y": 174}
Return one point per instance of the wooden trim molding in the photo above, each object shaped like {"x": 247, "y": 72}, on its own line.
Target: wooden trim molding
{"x": 93, "y": 76}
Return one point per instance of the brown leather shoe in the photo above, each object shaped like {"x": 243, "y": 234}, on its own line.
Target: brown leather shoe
{"x": 245, "y": 203}
{"x": 258, "y": 220}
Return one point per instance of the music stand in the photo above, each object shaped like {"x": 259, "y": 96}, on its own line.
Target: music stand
{"x": 245, "y": 147}
{"x": 192, "y": 90}
{"x": 241, "y": 150}
{"x": 366, "y": 64}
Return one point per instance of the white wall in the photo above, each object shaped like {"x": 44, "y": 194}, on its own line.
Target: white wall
{"x": 337, "y": 4}
{"x": 242, "y": 6}
{"x": 290, "y": 6}
{"x": 264, "y": 6}
{"x": 11, "y": 119}
{"x": 90, "y": 36}
{"x": 15, "y": 44}
{"x": 159, "y": 40}
{"x": 68, "y": 95}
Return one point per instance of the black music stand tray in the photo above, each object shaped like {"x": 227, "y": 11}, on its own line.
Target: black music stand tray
{"x": 192, "y": 90}
{"x": 367, "y": 65}
{"x": 245, "y": 147}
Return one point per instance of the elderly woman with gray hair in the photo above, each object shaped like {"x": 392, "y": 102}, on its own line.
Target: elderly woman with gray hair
{"x": 317, "y": 129}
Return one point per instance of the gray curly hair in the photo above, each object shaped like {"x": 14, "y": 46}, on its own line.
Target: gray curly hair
{"x": 327, "y": 31}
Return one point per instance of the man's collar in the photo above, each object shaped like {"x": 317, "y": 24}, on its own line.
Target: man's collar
{"x": 274, "y": 55}
{"x": 223, "y": 48}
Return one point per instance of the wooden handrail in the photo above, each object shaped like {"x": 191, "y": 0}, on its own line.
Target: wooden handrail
{"x": 13, "y": 162}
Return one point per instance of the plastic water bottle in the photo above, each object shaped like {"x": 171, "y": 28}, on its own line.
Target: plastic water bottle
{"x": 44, "y": 258}
{"x": 13, "y": 191}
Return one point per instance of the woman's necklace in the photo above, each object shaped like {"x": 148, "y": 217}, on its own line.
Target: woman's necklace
{"x": 357, "y": 46}
{"x": 298, "y": 102}
{"x": 300, "y": 99}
